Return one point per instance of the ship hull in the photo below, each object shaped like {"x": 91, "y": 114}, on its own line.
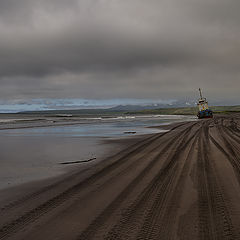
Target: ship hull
{"x": 205, "y": 114}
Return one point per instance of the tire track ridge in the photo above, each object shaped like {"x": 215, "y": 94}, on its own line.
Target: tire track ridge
{"x": 135, "y": 211}
{"x": 214, "y": 218}
{"x": 159, "y": 221}
{"x": 90, "y": 231}
{"x": 234, "y": 161}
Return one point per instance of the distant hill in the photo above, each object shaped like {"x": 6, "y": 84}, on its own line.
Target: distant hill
{"x": 119, "y": 108}
{"x": 136, "y": 109}
{"x": 225, "y": 109}
{"x": 179, "y": 104}
{"x": 187, "y": 110}
{"x": 168, "y": 111}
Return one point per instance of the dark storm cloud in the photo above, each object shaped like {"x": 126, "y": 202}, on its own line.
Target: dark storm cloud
{"x": 112, "y": 48}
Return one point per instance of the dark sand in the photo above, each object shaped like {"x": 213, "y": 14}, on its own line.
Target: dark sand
{"x": 30, "y": 158}
{"x": 182, "y": 184}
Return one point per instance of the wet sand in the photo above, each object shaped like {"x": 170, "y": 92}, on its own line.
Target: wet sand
{"x": 31, "y": 158}
{"x": 181, "y": 184}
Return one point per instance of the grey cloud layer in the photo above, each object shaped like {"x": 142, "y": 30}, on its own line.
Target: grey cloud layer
{"x": 118, "y": 48}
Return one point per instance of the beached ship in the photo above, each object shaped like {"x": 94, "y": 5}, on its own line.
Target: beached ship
{"x": 203, "y": 109}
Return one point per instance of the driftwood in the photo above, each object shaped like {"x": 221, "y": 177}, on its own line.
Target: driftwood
{"x": 80, "y": 161}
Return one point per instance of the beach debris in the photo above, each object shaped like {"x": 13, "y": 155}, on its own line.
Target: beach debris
{"x": 129, "y": 132}
{"x": 80, "y": 161}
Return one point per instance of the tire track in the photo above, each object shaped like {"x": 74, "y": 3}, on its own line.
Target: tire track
{"x": 91, "y": 230}
{"x": 159, "y": 223}
{"x": 134, "y": 216}
{"x": 229, "y": 153}
{"x": 214, "y": 218}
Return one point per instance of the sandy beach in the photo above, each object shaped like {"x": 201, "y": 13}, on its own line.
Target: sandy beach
{"x": 180, "y": 184}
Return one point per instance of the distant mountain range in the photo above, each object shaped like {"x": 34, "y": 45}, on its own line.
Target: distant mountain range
{"x": 151, "y": 106}
{"x": 119, "y": 108}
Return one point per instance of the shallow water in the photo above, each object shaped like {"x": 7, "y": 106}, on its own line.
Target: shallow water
{"x": 104, "y": 127}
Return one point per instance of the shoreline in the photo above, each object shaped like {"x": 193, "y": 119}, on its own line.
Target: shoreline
{"x": 58, "y": 122}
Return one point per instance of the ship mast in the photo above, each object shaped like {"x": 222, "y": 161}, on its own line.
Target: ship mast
{"x": 200, "y": 92}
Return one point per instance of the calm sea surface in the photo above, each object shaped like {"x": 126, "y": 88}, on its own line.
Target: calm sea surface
{"x": 101, "y": 127}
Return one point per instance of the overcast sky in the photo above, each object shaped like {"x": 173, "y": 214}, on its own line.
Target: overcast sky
{"x": 105, "y": 49}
